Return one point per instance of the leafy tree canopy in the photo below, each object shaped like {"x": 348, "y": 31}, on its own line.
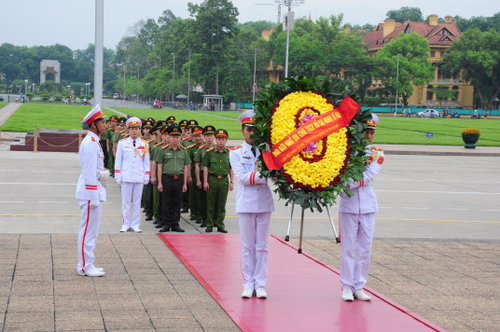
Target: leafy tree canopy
{"x": 406, "y": 13}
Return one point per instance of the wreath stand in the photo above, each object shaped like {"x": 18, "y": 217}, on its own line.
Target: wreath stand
{"x": 287, "y": 237}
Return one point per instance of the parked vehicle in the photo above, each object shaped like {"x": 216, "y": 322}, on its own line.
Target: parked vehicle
{"x": 428, "y": 113}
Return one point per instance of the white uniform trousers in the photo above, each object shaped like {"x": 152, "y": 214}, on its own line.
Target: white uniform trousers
{"x": 87, "y": 235}
{"x": 356, "y": 237}
{"x": 131, "y": 204}
{"x": 254, "y": 238}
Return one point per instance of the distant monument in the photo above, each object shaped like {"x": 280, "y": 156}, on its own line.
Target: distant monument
{"x": 50, "y": 70}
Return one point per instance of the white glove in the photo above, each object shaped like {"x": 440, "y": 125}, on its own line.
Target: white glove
{"x": 146, "y": 181}
{"x": 118, "y": 181}
{"x": 95, "y": 204}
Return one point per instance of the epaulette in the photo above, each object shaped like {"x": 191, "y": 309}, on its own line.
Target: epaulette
{"x": 148, "y": 141}
{"x": 211, "y": 149}
{"x": 160, "y": 143}
{"x": 236, "y": 147}
{"x": 183, "y": 147}
{"x": 93, "y": 139}
{"x": 165, "y": 146}
{"x": 202, "y": 146}
{"x": 375, "y": 148}
{"x": 122, "y": 139}
{"x": 185, "y": 138}
{"x": 190, "y": 146}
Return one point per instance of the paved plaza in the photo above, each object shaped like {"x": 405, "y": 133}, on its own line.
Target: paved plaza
{"x": 436, "y": 249}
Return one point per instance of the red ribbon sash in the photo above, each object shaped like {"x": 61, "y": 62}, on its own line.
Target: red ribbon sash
{"x": 312, "y": 131}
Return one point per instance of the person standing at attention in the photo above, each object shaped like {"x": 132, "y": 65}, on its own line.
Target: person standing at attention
{"x": 132, "y": 167}
{"x": 254, "y": 205}
{"x": 90, "y": 192}
{"x": 217, "y": 180}
{"x": 357, "y": 223}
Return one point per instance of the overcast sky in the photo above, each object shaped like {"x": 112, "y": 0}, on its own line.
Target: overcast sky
{"x": 71, "y": 22}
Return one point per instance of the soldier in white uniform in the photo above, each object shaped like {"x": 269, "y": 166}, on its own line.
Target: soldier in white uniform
{"x": 132, "y": 167}
{"x": 91, "y": 192}
{"x": 357, "y": 223}
{"x": 254, "y": 205}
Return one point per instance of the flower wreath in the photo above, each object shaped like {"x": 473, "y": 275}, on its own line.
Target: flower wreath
{"x": 310, "y": 147}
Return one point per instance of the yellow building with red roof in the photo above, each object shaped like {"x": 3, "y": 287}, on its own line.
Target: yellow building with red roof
{"x": 440, "y": 36}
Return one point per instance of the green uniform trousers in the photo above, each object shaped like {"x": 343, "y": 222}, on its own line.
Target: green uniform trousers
{"x": 216, "y": 201}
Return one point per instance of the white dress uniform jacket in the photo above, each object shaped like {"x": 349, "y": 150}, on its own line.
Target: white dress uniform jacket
{"x": 88, "y": 187}
{"x": 364, "y": 199}
{"x": 254, "y": 195}
{"x": 132, "y": 163}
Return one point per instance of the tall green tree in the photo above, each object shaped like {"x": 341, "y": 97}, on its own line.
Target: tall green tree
{"x": 216, "y": 26}
{"x": 476, "y": 55}
{"x": 406, "y": 13}
{"x": 407, "y": 54}
{"x": 478, "y": 22}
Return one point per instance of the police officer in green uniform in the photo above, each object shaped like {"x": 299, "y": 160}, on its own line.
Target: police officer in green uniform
{"x": 209, "y": 138}
{"x": 172, "y": 164}
{"x": 170, "y": 121}
{"x": 120, "y": 133}
{"x": 193, "y": 191}
{"x": 108, "y": 136}
{"x": 147, "y": 197}
{"x": 218, "y": 178}
{"x": 161, "y": 133}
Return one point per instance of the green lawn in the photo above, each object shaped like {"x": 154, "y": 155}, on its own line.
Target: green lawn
{"x": 399, "y": 130}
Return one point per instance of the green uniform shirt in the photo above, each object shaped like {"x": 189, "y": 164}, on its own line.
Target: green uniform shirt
{"x": 173, "y": 161}
{"x": 185, "y": 142}
{"x": 108, "y": 134}
{"x": 217, "y": 162}
{"x": 191, "y": 150}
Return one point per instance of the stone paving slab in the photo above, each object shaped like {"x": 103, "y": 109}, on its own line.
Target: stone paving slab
{"x": 452, "y": 283}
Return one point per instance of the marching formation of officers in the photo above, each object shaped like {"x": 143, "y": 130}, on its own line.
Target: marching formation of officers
{"x": 167, "y": 168}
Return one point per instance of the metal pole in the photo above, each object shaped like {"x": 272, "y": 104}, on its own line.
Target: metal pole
{"x": 397, "y": 79}
{"x": 173, "y": 76}
{"x": 99, "y": 57}
{"x": 254, "y": 74}
{"x": 189, "y": 77}
{"x": 287, "y": 237}
{"x": 301, "y": 231}
{"x": 286, "y": 55}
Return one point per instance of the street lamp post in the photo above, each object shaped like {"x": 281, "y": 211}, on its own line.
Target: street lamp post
{"x": 25, "y": 86}
{"x": 397, "y": 79}
{"x": 254, "y": 74}
{"x": 173, "y": 75}
{"x": 189, "y": 78}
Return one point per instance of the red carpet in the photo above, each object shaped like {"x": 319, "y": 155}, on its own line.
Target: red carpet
{"x": 304, "y": 293}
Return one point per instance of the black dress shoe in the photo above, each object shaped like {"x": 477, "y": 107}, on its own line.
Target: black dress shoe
{"x": 192, "y": 218}
{"x": 155, "y": 221}
{"x": 203, "y": 224}
{"x": 177, "y": 229}
{"x": 198, "y": 221}
{"x": 158, "y": 225}
{"x": 184, "y": 210}
{"x": 164, "y": 229}
{"x": 221, "y": 230}
{"x": 148, "y": 218}
{"x": 209, "y": 229}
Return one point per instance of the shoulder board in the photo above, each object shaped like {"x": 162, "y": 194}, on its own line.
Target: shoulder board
{"x": 185, "y": 138}
{"x": 182, "y": 147}
{"x": 211, "y": 149}
{"x": 236, "y": 147}
{"x": 160, "y": 143}
{"x": 126, "y": 135}
{"x": 165, "y": 146}
{"x": 202, "y": 146}
{"x": 148, "y": 141}
{"x": 93, "y": 139}
{"x": 190, "y": 146}
{"x": 375, "y": 148}
{"x": 123, "y": 139}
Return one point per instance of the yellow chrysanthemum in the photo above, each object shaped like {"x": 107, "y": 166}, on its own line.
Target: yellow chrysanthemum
{"x": 316, "y": 174}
